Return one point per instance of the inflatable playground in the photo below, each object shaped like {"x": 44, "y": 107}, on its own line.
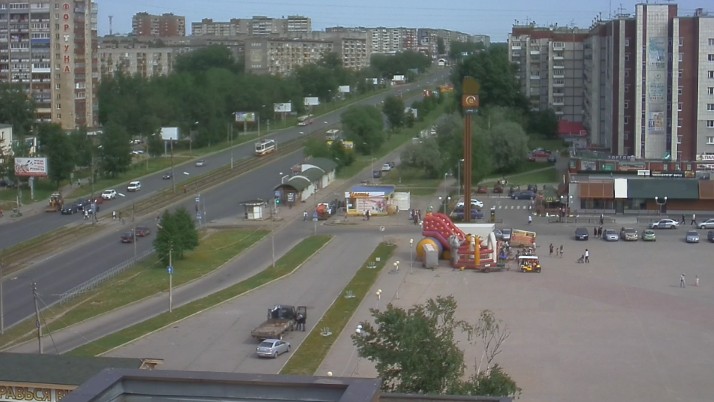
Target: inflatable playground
{"x": 477, "y": 249}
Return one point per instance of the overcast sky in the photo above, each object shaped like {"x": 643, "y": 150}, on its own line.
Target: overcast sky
{"x": 494, "y": 18}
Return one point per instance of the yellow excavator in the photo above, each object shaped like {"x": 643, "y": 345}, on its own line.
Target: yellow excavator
{"x": 56, "y": 203}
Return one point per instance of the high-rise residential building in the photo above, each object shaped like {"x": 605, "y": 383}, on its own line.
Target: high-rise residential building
{"x": 549, "y": 61}
{"x": 292, "y": 26}
{"x": 279, "y": 56}
{"x": 158, "y": 26}
{"x": 49, "y": 47}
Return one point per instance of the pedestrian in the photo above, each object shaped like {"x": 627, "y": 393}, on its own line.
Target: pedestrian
{"x": 304, "y": 215}
{"x": 696, "y": 281}
{"x": 682, "y": 281}
{"x": 684, "y": 220}
{"x": 367, "y": 214}
{"x": 79, "y": 183}
{"x": 694, "y": 219}
{"x": 86, "y": 214}
{"x": 561, "y": 251}
{"x": 550, "y": 248}
{"x": 595, "y": 231}
{"x": 602, "y": 219}
{"x": 114, "y": 215}
{"x": 530, "y": 219}
{"x": 587, "y": 255}
{"x": 599, "y": 232}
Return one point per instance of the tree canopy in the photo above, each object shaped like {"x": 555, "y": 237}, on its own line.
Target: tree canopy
{"x": 364, "y": 126}
{"x": 176, "y": 234}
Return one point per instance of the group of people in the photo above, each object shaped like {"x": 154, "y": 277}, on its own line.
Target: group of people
{"x": 683, "y": 281}
{"x": 693, "y": 222}
{"x": 557, "y": 250}
{"x": 415, "y": 216}
{"x": 597, "y": 231}
{"x": 585, "y": 257}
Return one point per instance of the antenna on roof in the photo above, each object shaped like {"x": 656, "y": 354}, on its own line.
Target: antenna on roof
{"x": 110, "y": 24}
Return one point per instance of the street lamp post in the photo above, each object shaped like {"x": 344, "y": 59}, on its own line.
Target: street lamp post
{"x": 458, "y": 179}
{"x": 661, "y": 203}
{"x": 411, "y": 256}
{"x": 448, "y": 201}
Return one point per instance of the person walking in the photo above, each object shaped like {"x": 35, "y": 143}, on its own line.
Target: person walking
{"x": 304, "y": 215}
{"x": 550, "y": 248}
{"x": 587, "y": 255}
{"x": 682, "y": 281}
{"x": 602, "y": 219}
{"x": 114, "y": 215}
{"x": 696, "y": 281}
{"x": 694, "y": 219}
{"x": 561, "y": 251}
{"x": 684, "y": 220}
{"x": 530, "y": 219}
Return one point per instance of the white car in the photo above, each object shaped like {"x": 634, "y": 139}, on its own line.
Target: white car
{"x": 134, "y": 186}
{"x": 474, "y": 203}
{"x": 109, "y": 194}
{"x": 707, "y": 224}
{"x": 272, "y": 348}
{"x": 664, "y": 224}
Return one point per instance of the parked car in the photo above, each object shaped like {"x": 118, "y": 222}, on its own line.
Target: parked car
{"x": 200, "y": 163}
{"x": 581, "y": 234}
{"x": 524, "y": 195}
{"x": 386, "y": 167}
{"x": 474, "y": 203}
{"x": 692, "y": 236}
{"x": 649, "y": 235}
{"x": 664, "y": 224}
{"x": 481, "y": 189}
{"x": 498, "y": 188}
{"x": 134, "y": 186}
{"x": 707, "y": 224}
{"x": 109, "y": 194}
{"x": 272, "y": 348}
{"x": 610, "y": 235}
{"x": 629, "y": 234}
{"x": 376, "y": 174}
{"x": 710, "y": 236}
{"x": 458, "y": 213}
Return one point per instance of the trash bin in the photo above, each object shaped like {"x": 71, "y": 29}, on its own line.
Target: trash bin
{"x": 431, "y": 256}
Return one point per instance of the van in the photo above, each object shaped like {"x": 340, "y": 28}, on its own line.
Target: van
{"x": 134, "y": 186}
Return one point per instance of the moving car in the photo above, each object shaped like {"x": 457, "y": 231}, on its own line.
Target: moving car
{"x": 581, "y": 234}
{"x": 610, "y": 235}
{"x": 529, "y": 263}
{"x": 649, "y": 235}
{"x": 692, "y": 236}
{"x": 134, "y": 186}
{"x": 69, "y": 209}
{"x": 109, "y": 194}
{"x": 386, "y": 167}
{"x": 474, "y": 203}
{"x": 272, "y": 348}
{"x": 167, "y": 176}
{"x": 458, "y": 213}
{"x": 707, "y": 224}
{"x": 127, "y": 237}
{"x": 664, "y": 224}
{"x": 376, "y": 174}
{"x": 200, "y": 163}
{"x": 142, "y": 231}
{"x": 629, "y": 234}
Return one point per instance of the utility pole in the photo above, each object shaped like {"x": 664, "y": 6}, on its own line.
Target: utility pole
{"x": 38, "y": 323}
{"x": 171, "y": 281}
{"x": 2, "y": 311}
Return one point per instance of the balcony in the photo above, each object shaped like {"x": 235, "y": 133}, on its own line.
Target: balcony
{"x": 534, "y": 52}
{"x": 534, "y": 77}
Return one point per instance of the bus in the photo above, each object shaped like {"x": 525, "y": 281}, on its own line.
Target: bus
{"x": 304, "y": 120}
{"x": 332, "y": 134}
{"x": 265, "y": 147}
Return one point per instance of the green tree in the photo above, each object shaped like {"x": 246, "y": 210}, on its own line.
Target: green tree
{"x": 364, "y": 126}
{"x": 201, "y": 60}
{"x": 176, "y": 234}
{"x": 393, "y": 108}
{"x": 414, "y": 350}
{"x": 82, "y": 145}
{"x": 57, "y": 147}
{"x": 508, "y": 146}
{"x": 544, "y": 123}
{"x": 426, "y": 156}
{"x": 114, "y": 150}
{"x": 18, "y": 109}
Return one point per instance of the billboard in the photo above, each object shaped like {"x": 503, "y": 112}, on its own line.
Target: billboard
{"x": 169, "y": 133}
{"x": 311, "y": 101}
{"x": 26, "y": 167}
{"x": 282, "y": 107}
{"x": 345, "y": 89}
{"x": 242, "y": 117}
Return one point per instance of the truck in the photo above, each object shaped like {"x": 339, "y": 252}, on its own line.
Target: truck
{"x": 281, "y": 319}
{"x": 56, "y": 203}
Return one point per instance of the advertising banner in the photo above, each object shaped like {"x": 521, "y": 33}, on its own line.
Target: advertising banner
{"x": 242, "y": 117}
{"x": 169, "y": 133}
{"x": 345, "y": 89}
{"x": 26, "y": 167}
{"x": 311, "y": 101}
{"x": 282, "y": 107}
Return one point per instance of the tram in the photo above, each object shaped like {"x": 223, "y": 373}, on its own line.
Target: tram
{"x": 265, "y": 147}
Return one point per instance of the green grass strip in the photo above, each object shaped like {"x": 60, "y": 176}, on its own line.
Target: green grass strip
{"x": 284, "y": 266}
{"x": 313, "y": 350}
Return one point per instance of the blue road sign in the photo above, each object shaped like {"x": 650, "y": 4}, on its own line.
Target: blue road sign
{"x": 170, "y": 269}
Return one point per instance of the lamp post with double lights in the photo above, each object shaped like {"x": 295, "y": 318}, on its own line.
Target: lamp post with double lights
{"x": 661, "y": 204}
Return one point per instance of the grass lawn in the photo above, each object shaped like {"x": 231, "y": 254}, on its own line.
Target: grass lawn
{"x": 143, "y": 280}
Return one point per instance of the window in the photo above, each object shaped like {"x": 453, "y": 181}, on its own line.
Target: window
{"x": 681, "y": 41}
{"x": 711, "y": 41}
{"x": 627, "y": 42}
{"x": 627, "y": 104}
{"x": 710, "y": 57}
{"x": 710, "y": 90}
{"x": 627, "y": 57}
{"x": 710, "y": 107}
{"x": 710, "y": 123}
{"x": 679, "y": 122}
{"x": 710, "y": 74}
{"x": 710, "y": 140}
{"x": 627, "y": 119}
{"x": 679, "y": 106}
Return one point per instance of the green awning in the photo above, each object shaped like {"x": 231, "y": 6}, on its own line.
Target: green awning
{"x": 675, "y": 188}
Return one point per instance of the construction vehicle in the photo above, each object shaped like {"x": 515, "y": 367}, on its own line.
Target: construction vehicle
{"x": 56, "y": 203}
{"x": 281, "y": 319}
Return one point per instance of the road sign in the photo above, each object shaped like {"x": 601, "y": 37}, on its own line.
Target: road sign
{"x": 170, "y": 269}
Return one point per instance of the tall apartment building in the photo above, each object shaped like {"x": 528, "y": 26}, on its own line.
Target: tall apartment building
{"x": 292, "y": 26}
{"x": 48, "y": 47}
{"x": 650, "y": 84}
{"x": 158, "y": 26}
{"x": 550, "y": 68}
{"x": 136, "y": 59}
{"x": 278, "y": 56}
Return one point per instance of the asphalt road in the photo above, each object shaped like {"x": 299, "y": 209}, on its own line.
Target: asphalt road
{"x": 64, "y": 270}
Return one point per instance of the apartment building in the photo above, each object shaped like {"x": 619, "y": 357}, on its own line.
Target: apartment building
{"x": 292, "y": 26}
{"x": 279, "y": 56}
{"x": 48, "y": 47}
{"x": 549, "y": 61}
{"x": 139, "y": 59}
{"x": 158, "y": 26}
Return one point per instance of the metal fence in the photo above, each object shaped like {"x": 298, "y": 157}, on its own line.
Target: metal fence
{"x": 103, "y": 277}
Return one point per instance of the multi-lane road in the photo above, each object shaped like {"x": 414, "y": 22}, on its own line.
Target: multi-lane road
{"x": 101, "y": 251}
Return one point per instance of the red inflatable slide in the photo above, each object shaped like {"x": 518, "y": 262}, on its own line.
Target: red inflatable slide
{"x": 440, "y": 227}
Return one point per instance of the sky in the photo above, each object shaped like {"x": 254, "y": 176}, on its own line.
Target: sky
{"x": 476, "y": 17}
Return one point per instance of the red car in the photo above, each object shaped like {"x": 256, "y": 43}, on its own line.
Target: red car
{"x": 142, "y": 231}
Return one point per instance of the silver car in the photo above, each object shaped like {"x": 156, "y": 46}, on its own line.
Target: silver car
{"x": 707, "y": 224}
{"x": 610, "y": 235}
{"x": 272, "y": 348}
{"x": 692, "y": 236}
{"x": 664, "y": 224}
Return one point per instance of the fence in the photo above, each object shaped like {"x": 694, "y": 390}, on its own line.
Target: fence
{"x": 103, "y": 277}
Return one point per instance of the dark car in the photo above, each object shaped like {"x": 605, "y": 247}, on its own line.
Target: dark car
{"x": 167, "y": 176}
{"x": 581, "y": 234}
{"x": 710, "y": 236}
{"x": 69, "y": 209}
{"x": 127, "y": 237}
{"x": 142, "y": 231}
{"x": 458, "y": 213}
{"x": 376, "y": 174}
{"x": 524, "y": 195}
